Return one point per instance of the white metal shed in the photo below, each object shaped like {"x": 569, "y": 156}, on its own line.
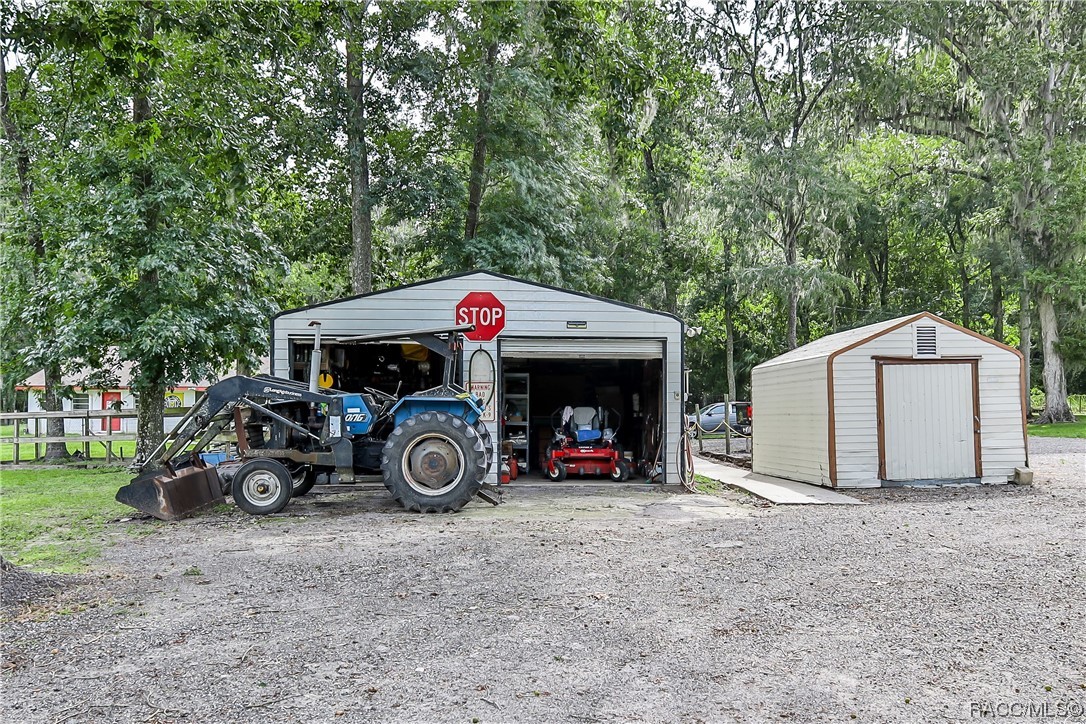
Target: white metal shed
{"x": 913, "y": 399}
{"x": 556, "y": 347}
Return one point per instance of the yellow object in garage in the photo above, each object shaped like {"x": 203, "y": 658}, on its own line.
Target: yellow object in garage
{"x": 324, "y": 381}
{"x": 414, "y": 352}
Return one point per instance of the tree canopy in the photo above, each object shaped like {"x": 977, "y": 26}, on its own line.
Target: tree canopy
{"x": 770, "y": 170}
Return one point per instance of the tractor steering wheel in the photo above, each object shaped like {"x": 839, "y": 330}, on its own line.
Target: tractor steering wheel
{"x": 380, "y": 394}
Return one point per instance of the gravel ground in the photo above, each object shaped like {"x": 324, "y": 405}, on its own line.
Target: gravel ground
{"x": 580, "y": 604}
{"x": 19, "y": 587}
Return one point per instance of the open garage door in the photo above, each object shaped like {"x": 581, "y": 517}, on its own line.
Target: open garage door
{"x": 542, "y": 376}
{"x": 550, "y": 348}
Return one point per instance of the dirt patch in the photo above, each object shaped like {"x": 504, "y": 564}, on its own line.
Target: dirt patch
{"x": 580, "y": 604}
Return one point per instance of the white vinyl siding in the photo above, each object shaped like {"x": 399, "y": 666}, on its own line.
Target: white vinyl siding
{"x": 790, "y": 421}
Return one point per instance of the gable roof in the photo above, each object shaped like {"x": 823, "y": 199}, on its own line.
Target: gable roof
{"x": 825, "y": 346}
{"x": 832, "y": 344}
{"x": 480, "y": 272}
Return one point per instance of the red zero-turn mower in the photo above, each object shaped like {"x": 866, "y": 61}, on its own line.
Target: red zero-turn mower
{"x": 584, "y": 445}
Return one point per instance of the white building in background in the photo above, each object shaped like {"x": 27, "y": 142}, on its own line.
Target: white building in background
{"x": 115, "y": 395}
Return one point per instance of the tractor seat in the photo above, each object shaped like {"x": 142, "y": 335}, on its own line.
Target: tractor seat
{"x": 585, "y": 424}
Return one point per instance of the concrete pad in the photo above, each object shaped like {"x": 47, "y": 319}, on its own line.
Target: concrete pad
{"x": 775, "y": 490}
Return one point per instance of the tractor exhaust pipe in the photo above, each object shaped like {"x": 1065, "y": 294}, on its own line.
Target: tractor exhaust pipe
{"x": 315, "y": 358}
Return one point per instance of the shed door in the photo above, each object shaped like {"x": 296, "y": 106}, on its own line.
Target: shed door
{"x": 568, "y": 348}
{"x": 929, "y": 430}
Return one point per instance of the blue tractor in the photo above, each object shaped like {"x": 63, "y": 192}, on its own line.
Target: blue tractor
{"x": 429, "y": 448}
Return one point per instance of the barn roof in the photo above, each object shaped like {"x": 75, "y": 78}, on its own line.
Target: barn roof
{"x": 477, "y": 273}
{"x": 825, "y": 346}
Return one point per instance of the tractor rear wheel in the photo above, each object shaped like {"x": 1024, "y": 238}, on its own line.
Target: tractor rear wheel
{"x": 433, "y": 462}
{"x": 262, "y": 487}
{"x": 488, "y": 444}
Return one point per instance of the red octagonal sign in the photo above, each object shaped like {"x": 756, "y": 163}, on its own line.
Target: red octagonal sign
{"x": 485, "y": 311}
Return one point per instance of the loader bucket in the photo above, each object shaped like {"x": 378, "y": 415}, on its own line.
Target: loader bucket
{"x": 171, "y": 496}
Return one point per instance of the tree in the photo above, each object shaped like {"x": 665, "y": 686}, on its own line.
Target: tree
{"x": 149, "y": 206}
{"x": 25, "y": 255}
{"x": 1012, "y": 93}
{"x": 786, "y": 65}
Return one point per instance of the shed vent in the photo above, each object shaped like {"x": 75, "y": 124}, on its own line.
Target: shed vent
{"x": 927, "y": 342}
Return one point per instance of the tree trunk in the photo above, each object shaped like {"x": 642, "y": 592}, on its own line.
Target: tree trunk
{"x": 667, "y": 257}
{"x": 729, "y": 351}
{"x": 790, "y": 253}
{"x": 997, "y": 305}
{"x": 963, "y": 275}
{"x": 1025, "y": 344}
{"x": 1057, "y": 408}
{"x": 151, "y": 402}
{"x": 150, "y": 409}
{"x": 359, "y": 157}
{"x": 478, "y": 153}
{"x": 53, "y": 401}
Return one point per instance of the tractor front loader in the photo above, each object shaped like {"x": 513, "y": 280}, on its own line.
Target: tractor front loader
{"x": 428, "y": 448}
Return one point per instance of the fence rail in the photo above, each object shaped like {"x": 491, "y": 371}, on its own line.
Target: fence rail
{"x": 39, "y": 438}
{"x": 1076, "y": 402}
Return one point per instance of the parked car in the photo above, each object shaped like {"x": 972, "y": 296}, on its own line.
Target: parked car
{"x": 740, "y": 417}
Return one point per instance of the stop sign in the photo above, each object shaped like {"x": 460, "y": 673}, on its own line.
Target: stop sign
{"x": 485, "y": 311}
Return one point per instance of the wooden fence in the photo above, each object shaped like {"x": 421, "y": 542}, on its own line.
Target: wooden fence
{"x": 22, "y": 437}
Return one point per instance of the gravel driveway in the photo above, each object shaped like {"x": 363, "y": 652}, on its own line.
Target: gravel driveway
{"x": 578, "y": 605}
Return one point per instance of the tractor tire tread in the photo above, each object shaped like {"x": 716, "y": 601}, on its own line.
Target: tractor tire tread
{"x": 402, "y": 436}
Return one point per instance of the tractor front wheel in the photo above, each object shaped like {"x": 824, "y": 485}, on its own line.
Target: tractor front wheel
{"x": 262, "y": 487}
{"x": 433, "y": 462}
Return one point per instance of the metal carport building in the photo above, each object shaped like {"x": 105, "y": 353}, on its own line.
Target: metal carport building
{"x": 545, "y": 347}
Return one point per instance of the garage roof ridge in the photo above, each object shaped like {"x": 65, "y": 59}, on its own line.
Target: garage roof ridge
{"x": 495, "y": 274}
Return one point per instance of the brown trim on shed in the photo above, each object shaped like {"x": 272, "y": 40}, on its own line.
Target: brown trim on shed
{"x": 925, "y": 360}
{"x": 1022, "y": 391}
{"x": 977, "y": 437}
{"x": 832, "y": 431}
{"x": 880, "y": 411}
{"x": 829, "y": 386}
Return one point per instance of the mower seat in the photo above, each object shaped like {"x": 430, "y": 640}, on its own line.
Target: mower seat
{"x": 585, "y": 424}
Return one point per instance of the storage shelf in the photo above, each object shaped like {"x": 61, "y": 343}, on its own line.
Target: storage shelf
{"x": 515, "y": 390}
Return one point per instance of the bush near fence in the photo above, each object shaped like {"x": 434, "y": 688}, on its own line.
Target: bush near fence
{"x": 1077, "y": 402}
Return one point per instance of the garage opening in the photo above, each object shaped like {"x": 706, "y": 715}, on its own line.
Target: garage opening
{"x": 537, "y": 385}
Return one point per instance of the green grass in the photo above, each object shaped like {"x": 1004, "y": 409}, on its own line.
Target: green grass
{"x": 1060, "y": 429}
{"x": 56, "y": 520}
{"x": 708, "y": 485}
